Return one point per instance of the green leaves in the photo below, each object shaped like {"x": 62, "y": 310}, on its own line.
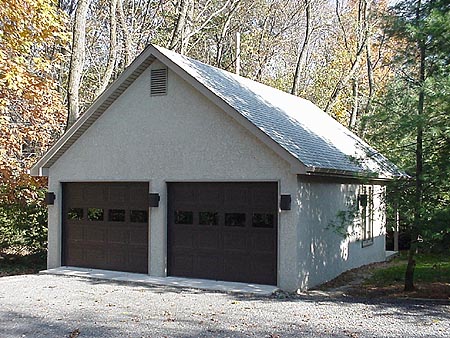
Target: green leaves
{"x": 23, "y": 217}
{"x": 397, "y": 119}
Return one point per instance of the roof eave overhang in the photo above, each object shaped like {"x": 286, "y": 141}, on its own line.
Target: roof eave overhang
{"x": 360, "y": 176}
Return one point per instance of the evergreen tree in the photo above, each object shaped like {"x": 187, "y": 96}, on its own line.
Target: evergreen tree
{"x": 412, "y": 124}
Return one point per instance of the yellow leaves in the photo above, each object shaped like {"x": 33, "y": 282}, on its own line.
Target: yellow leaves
{"x": 25, "y": 23}
{"x": 31, "y": 110}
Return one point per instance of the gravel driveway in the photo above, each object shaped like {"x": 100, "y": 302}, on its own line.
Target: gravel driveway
{"x": 59, "y": 306}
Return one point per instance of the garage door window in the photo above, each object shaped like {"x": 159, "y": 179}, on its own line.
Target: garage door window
{"x": 116, "y": 215}
{"x": 138, "y": 216}
{"x": 75, "y": 214}
{"x": 184, "y": 217}
{"x": 208, "y": 218}
{"x": 263, "y": 220}
{"x": 235, "y": 220}
{"x": 95, "y": 214}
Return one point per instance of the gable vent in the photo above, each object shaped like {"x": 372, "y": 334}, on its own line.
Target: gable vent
{"x": 158, "y": 82}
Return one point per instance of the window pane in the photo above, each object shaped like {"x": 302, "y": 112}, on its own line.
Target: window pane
{"x": 184, "y": 217}
{"x": 235, "y": 220}
{"x": 75, "y": 214}
{"x": 208, "y": 218}
{"x": 138, "y": 216}
{"x": 95, "y": 214}
{"x": 263, "y": 220}
{"x": 116, "y": 215}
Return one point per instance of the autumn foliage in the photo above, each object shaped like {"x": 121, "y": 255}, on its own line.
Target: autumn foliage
{"x": 31, "y": 111}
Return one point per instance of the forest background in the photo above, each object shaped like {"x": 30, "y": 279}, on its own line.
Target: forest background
{"x": 380, "y": 68}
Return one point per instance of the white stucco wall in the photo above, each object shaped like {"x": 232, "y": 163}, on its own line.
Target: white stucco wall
{"x": 323, "y": 253}
{"x": 178, "y": 137}
{"x": 185, "y": 137}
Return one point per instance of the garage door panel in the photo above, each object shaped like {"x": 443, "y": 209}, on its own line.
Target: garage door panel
{"x": 262, "y": 243}
{"x": 209, "y": 196}
{"x": 77, "y": 257}
{"x": 229, "y": 224}
{"x": 184, "y": 263}
{"x": 236, "y": 196}
{"x": 263, "y": 198}
{"x": 118, "y": 195}
{"x": 96, "y": 233}
{"x": 117, "y": 255}
{"x": 96, "y": 255}
{"x": 118, "y": 235}
{"x": 137, "y": 264}
{"x": 234, "y": 241}
{"x": 136, "y": 201}
{"x": 183, "y": 238}
{"x": 106, "y": 225}
{"x": 206, "y": 239}
{"x": 186, "y": 195}
{"x": 207, "y": 266}
{"x": 92, "y": 194}
{"x": 138, "y": 236}
{"x": 75, "y": 232}
{"x": 263, "y": 270}
{"x": 236, "y": 268}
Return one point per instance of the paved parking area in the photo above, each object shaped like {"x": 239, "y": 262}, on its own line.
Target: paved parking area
{"x": 61, "y": 306}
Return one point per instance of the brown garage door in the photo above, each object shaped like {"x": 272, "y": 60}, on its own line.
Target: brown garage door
{"x": 223, "y": 231}
{"x": 106, "y": 226}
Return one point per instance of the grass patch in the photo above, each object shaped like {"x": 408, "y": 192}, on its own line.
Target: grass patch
{"x": 430, "y": 268}
{"x": 17, "y": 264}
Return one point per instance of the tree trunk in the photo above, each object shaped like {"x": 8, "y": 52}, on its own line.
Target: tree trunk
{"x": 343, "y": 81}
{"x": 186, "y": 33}
{"x": 77, "y": 62}
{"x": 126, "y": 36}
{"x": 409, "y": 275}
{"x": 175, "y": 42}
{"x": 303, "y": 50}
{"x": 362, "y": 41}
{"x": 112, "y": 50}
{"x": 355, "y": 106}
{"x": 220, "y": 41}
{"x": 370, "y": 83}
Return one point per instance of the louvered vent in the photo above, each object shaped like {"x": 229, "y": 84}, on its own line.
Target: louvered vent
{"x": 158, "y": 82}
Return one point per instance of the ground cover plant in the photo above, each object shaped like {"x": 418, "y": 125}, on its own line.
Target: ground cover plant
{"x": 21, "y": 264}
{"x": 430, "y": 268}
{"x": 386, "y": 279}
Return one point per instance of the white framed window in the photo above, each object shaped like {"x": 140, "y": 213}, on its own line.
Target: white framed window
{"x": 365, "y": 199}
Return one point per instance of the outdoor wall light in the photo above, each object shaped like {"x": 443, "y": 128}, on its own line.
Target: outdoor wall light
{"x": 153, "y": 200}
{"x": 50, "y": 198}
{"x": 285, "y": 202}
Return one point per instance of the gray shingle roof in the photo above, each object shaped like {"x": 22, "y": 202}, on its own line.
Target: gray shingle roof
{"x": 309, "y": 134}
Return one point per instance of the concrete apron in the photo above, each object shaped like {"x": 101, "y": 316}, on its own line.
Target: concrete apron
{"x": 202, "y": 284}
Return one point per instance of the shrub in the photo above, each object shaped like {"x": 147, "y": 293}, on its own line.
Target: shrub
{"x": 23, "y": 216}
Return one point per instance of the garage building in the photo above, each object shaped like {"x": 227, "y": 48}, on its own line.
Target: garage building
{"x": 183, "y": 169}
